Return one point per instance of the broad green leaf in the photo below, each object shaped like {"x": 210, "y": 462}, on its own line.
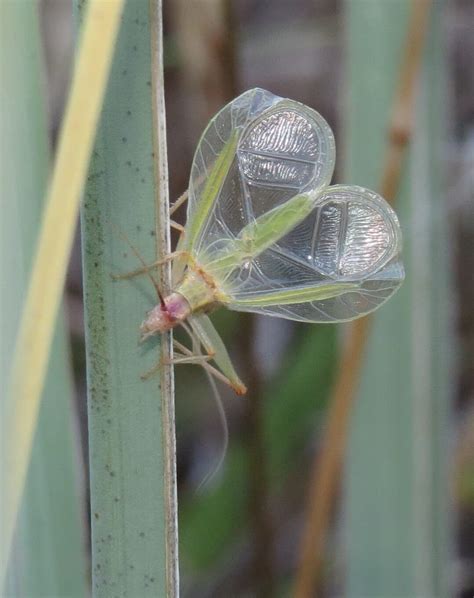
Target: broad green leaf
{"x": 130, "y": 510}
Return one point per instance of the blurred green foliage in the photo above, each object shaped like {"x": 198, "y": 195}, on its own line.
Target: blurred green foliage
{"x": 397, "y": 505}
{"x": 49, "y": 551}
{"x": 293, "y": 403}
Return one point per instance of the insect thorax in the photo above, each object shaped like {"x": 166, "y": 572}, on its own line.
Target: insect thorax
{"x": 199, "y": 290}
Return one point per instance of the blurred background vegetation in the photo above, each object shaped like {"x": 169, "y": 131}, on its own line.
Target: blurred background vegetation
{"x": 403, "y": 520}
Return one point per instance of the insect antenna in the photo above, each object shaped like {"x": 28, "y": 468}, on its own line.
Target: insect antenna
{"x": 137, "y": 254}
{"x": 225, "y": 430}
{"x": 196, "y": 344}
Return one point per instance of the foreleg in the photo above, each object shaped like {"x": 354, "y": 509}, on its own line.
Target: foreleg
{"x": 148, "y": 267}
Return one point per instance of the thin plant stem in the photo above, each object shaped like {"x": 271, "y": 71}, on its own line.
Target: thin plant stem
{"x": 163, "y": 248}
{"x": 327, "y": 464}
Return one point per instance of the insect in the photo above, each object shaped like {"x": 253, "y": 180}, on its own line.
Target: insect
{"x": 266, "y": 233}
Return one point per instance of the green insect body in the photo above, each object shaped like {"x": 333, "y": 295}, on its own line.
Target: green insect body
{"x": 266, "y": 233}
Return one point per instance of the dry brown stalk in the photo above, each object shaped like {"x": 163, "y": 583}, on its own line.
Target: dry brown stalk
{"x": 328, "y": 461}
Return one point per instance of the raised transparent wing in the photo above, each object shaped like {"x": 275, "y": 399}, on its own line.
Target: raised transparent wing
{"x": 258, "y": 152}
{"x": 342, "y": 261}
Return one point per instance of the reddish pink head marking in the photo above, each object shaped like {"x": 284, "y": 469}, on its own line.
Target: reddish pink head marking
{"x": 163, "y": 317}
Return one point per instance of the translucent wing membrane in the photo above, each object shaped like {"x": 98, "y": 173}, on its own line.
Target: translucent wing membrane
{"x": 265, "y": 226}
{"x": 342, "y": 261}
{"x": 278, "y": 148}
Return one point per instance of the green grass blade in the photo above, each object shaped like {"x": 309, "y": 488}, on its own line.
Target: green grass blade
{"x": 130, "y": 498}
{"x": 396, "y": 502}
{"x": 49, "y": 551}
{"x": 52, "y": 520}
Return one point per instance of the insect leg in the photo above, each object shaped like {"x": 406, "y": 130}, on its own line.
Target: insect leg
{"x": 149, "y": 373}
{"x": 194, "y": 339}
{"x": 178, "y": 266}
{"x": 217, "y": 398}
{"x": 233, "y": 380}
{"x": 137, "y": 254}
{"x": 177, "y": 360}
{"x": 177, "y": 226}
{"x": 147, "y": 267}
{"x": 209, "y": 337}
{"x": 183, "y": 349}
{"x": 194, "y": 359}
{"x": 179, "y": 202}
{"x": 209, "y": 368}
